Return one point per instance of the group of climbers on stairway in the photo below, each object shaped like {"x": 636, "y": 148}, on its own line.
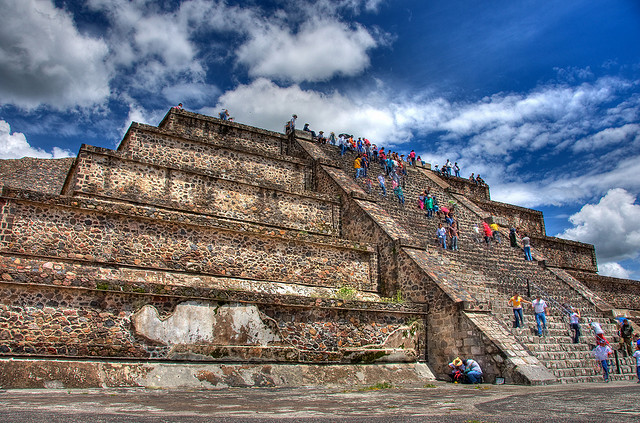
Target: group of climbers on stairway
{"x": 602, "y": 352}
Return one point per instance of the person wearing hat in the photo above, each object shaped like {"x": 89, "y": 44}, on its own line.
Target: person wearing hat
{"x": 457, "y": 369}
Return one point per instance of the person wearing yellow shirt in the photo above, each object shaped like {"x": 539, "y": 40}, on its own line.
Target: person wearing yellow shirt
{"x": 495, "y": 232}
{"x": 516, "y": 302}
{"x": 357, "y": 165}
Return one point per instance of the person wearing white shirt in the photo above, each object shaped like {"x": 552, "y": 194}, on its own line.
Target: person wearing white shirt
{"x": 539, "y": 307}
{"x": 574, "y": 322}
{"x": 472, "y": 371}
{"x": 602, "y": 353}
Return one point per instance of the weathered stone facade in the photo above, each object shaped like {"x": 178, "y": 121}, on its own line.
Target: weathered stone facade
{"x": 212, "y": 242}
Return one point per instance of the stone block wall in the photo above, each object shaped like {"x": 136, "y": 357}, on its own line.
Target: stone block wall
{"x": 620, "y": 293}
{"x": 526, "y": 220}
{"x": 67, "y": 228}
{"x": 468, "y": 188}
{"x": 566, "y": 254}
{"x": 44, "y": 175}
{"x": 206, "y": 128}
{"x": 363, "y": 221}
{"x": 106, "y": 174}
{"x": 149, "y": 145}
{"x": 41, "y": 317}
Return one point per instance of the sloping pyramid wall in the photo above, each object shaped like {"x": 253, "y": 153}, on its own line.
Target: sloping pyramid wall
{"x": 209, "y": 253}
{"x": 184, "y": 247}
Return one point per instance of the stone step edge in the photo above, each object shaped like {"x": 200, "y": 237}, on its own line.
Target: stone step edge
{"x": 208, "y": 222}
{"x": 75, "y": 374}
{"x": 46, "y": 278}
{"x": 84, "y": 148}
{"x": 213, "y": 353}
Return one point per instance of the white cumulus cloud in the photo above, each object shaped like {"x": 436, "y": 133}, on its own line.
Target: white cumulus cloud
{"x": 15, "y": 146}
{"x": 44, "y": 60}
{"x": 266, "y": 105}
{"x": 614, "y": 270}
{"x": 612, "y": 225}
{"x": 318, "y": 51}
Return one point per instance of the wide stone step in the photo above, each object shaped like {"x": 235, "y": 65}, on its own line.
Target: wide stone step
{"x": 107, "y": 174}
{"x": 140, "y": 236}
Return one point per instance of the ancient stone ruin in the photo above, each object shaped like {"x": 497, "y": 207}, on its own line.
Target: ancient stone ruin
{"x": 207, "y": 253}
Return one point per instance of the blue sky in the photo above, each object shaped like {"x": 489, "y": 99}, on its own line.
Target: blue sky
{"x": 542, "y": 98}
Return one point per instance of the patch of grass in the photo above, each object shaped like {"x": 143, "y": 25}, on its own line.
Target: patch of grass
{"x": 429, "y": 385}
{"x": 377, "y": 387}
{"x": 396, "y": 299}
{"x": 346, "y": 293}
{"x": 102, "y": 286}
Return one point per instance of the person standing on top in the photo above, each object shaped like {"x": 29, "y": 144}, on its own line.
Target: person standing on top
{"x": 412, "y": 158}
{"x": 291, "y": 125}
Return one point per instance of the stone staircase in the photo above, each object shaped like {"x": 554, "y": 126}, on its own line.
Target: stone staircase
{"x": 491, "y": 274}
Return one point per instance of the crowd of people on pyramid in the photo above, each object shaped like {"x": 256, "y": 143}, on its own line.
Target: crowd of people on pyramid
{"x": 394, "y": 172}
{"x": 469, "y": 371}
{"x": 393, "y": 167}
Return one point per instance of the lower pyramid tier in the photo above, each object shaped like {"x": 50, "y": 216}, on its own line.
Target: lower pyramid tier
{"x": 65, "y": 309}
